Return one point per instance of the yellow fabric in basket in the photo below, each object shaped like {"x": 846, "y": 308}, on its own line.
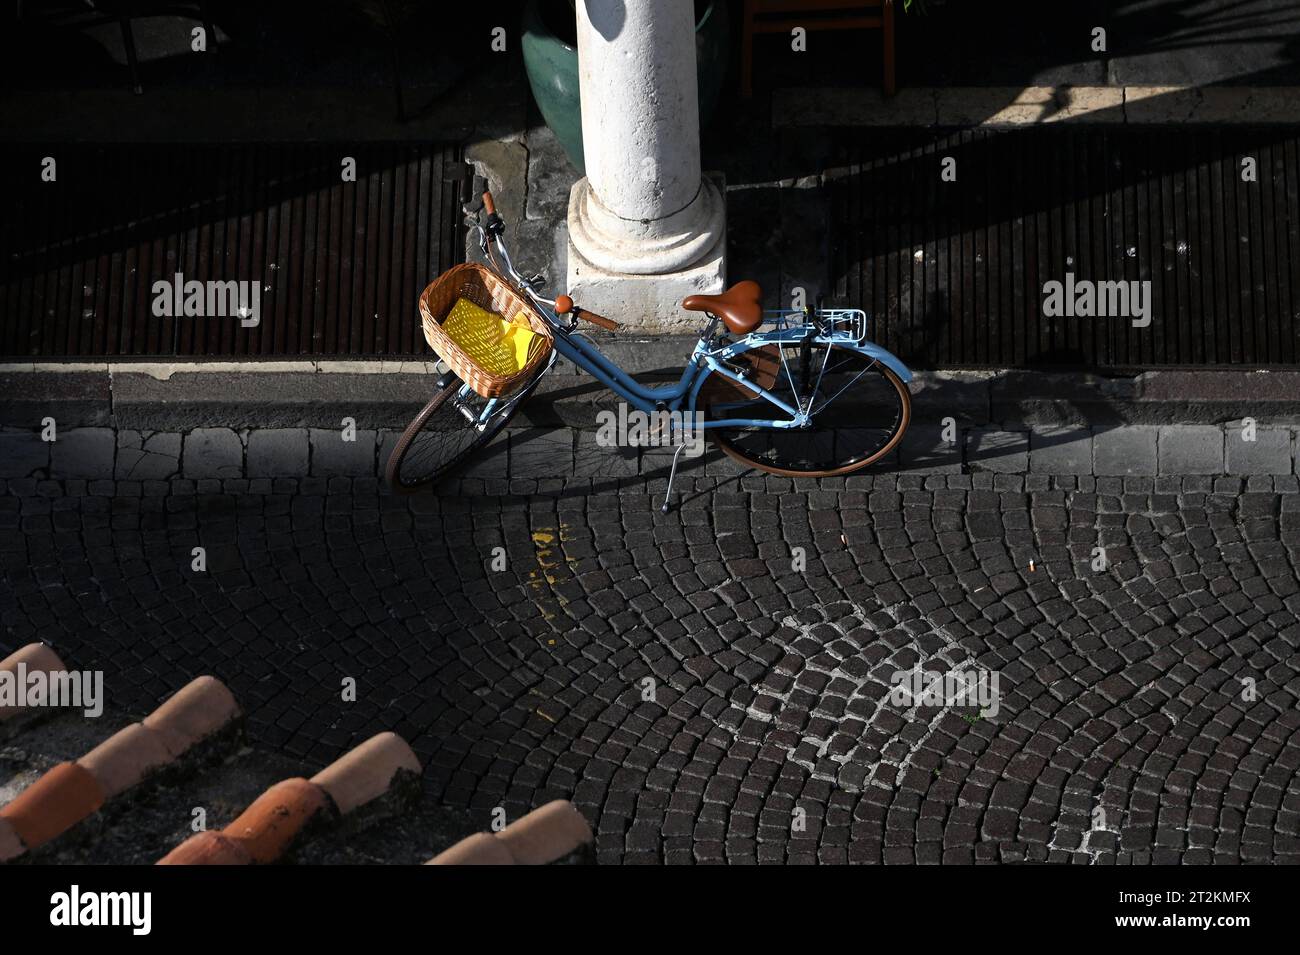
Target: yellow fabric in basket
{"x": 495, "y": 345}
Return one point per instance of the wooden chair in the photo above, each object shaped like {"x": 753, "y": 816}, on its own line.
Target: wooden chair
{"x": 782, "y": 16}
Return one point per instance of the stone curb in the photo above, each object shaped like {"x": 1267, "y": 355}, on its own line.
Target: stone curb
{"x": 547, "y": 834}
{"x": 33, "y": 657}
{"x": 138, "y": 404}
{"x": 73, "y": 791}
{"x": 533, "y": 453}
{"x": 270, "y": 825}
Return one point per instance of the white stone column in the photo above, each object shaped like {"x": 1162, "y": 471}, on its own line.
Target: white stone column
{"x": 645, "y": 228}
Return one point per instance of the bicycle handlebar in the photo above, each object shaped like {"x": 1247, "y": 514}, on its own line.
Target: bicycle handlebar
{"x": 493, "y": 237}
{"x": 564, "y": 305}
{"x": 599, "y": 320}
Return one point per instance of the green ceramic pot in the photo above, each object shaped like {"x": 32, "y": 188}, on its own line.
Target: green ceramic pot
{"x": 551, "y": 62}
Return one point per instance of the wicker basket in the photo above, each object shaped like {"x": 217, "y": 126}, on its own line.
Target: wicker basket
{"x": 486, "y": 289}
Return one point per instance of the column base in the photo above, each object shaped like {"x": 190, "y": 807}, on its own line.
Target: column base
{"x": 649, "y": 303}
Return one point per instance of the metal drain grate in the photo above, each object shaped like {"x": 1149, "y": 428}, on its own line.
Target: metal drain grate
{"x": 339, "y": 264}
{"x": 954, "y": 272}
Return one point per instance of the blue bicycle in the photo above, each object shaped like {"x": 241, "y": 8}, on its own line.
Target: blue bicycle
{"x": 794, "y": 392}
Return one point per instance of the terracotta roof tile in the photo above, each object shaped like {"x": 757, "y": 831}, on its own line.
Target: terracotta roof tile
{"x": 544, "y": 835}
{"x": 366, "y": 772}
{"x": 53, "y": 804}
{"x": 11, "y": 847}
{"x": 548, "y": 833}
{"x": 482, "y": 848}
{"x": 268, "y": 827}
{"x": 71, "y": 791}
{"x": 125, "y": 758}
{"x": 208, "y": 848}
{"x": 196, "y": 711}
{"x": 35, "y": 656}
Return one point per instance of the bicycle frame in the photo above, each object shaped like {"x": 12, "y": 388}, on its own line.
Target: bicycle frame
{"x": 845, "y": 327}
{"x": 669, "y": 397}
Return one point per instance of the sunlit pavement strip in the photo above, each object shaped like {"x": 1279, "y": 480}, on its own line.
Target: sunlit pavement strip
{"x": 703, "y": 699}
{"x": 1032, "y": 105}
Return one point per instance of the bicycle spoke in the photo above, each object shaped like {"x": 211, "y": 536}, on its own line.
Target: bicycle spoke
{"x": 789, "y": 377}
{"x": 812, "y": 395}
{"x": 856, "y": 406}
{"x": 448, "y": 433}
{"x": 848, "y": 384}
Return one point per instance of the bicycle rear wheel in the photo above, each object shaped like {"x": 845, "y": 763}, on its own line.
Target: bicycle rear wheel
{"x": 447, "y": 433}
{"x": 859, "y": 409}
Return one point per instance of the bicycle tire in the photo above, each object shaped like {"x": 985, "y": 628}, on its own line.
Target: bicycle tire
{"x": 731, "y": 448}
{"x": 393, "y": 470}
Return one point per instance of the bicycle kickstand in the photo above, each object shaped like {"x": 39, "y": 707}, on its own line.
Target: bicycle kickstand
{"x": 672, "y": 473}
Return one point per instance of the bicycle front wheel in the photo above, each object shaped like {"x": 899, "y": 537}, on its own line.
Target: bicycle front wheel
{"x": 859, "y": 410}
{"x": 447, "y": 433}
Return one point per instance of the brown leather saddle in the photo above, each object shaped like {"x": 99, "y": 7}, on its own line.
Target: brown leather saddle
{"x": 740, "y": 307}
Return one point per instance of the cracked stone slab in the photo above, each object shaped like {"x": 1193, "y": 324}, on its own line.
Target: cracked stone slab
{"x": 277, "y": 452}
{"x": 83, "y": 453}
{"x": 595, "y": 461}
{"x": 212, "y": 453}
{"x": 1060, "y": 451}
{"x": 541, "y": 453}
{"x": 23, "y": 454}
{"x": 492, "y": 461}
{"x": 923, "y": 450}
{"x": 1191, "y": 449}
{"x": 1124, "y": 451}
{"x": 147, "y": 457}
{"x": 992, "y": 450}
{"x": 332, "y": 456}
{"x": 1269, "y": 453}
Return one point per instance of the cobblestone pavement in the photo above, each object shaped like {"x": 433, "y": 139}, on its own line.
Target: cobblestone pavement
{"x": 699, "y": 693}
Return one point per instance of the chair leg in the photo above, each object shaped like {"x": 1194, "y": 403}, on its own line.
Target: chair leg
{"x": 128, "y": 41}
{"x": 887, "y": 16}
{"x": 747, "y": 53}
{"x": 395, "y": 57}
{"x": 206, "y": 16}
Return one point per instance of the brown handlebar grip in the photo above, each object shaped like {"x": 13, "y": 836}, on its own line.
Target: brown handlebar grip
{"x": 599, "y": 320}
{"x": 488, "y": 204}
